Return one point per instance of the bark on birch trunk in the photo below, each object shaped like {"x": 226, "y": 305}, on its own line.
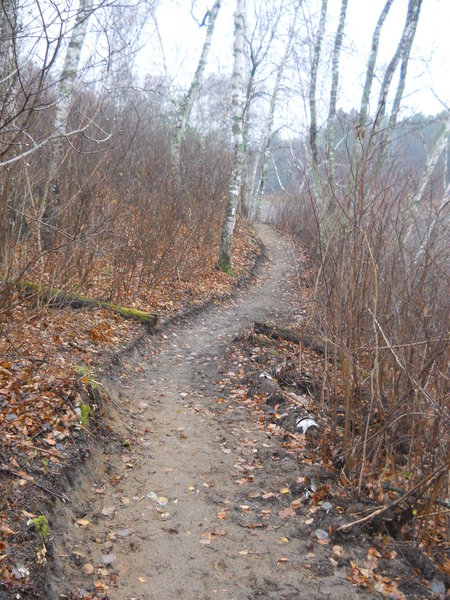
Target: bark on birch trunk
{"x": 236, "y": 174}
{"x": 50, "y": 202}
{"x": 189, "y": 98}
{"x": 334, "y": 86}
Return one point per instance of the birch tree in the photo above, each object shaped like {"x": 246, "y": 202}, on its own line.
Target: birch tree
{"x": 238, "y": 142}
{"x": 67, "y": 81}
{"x": 334, "y": 85}
{"x": 313, "y": 128}
{"x": 259, "y": 45}
{"x": 370, "y": 72}
{"x": 402, "y": 53}
{"x": 189, "y": 98}
{"x": 313, "y": 83}
{"x": 268, "y": 132}
{"x": 435, "y": 152}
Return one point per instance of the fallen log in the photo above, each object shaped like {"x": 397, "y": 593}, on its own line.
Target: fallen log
{"x": 275, "y": 332}
{"x": 55, "y": 297}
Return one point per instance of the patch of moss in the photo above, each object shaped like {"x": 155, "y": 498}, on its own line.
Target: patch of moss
{"x": 226, "y": 267}
{"x": 41, "y": 526}
{"x": 132, "y": 313}
{"x": 85, "y": 412}
{"x": 84, "y": 371}
{"x": 87, "y": 376}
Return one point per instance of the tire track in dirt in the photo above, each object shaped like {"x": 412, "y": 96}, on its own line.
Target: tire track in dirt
{"x": 184, "y": 451}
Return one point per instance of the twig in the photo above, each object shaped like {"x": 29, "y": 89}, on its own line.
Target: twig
{"x": 42, "y": 450}
{"x": 393, "y": 488}
{"x": 30, "y": 479}
{"x": 270, "y": 556}
{"x": 440, "y": 410}
{"x": 379, "y": 511}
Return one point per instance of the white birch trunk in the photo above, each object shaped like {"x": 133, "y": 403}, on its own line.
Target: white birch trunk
{"x": 236, "y": 174}
{"x": 444, "y": 224}
{"x": 406, "y": 51}
{"x": 8, "y": 68}
{"x": 69, "y": 72}
{"x": 189, "y": 98}
{"x": 268, "y": 129}
{"x": 439, "y": 146}
{"x": 257, "y": 57}
{"x": 313, "y": 84}
{"x": 8, "y": 14}
{"x": 334, "y": 86}
{"x": 409, "y": 29}
{"x": 370, "y": 73}
{"x": 67, "y": 81}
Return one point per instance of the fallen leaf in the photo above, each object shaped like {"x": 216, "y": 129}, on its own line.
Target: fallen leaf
{"x": 297, "y": 503}
{"x": 88, "y": 569}
{"x": 83, "y": 522}
{"x": 99, "y": 585}
{"x": 7, "y": 530}
{"x": 286, "y": 513}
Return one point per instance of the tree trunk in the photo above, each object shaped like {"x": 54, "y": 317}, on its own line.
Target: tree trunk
{"x": 334, "y": 86}
{"x": 268, "y": 129}
{"x": 67, "y": 80}
{"x": 189, "y": 98}
{"x": 238, "y": 157}
{"x": 433, "y": 155}
{"x": 313, "y": 84}
{"x": 55, "y": 297}
{"x": 370, "y": 73}
{"x": 412, "y": 18}
{"x": 406, "y": 51}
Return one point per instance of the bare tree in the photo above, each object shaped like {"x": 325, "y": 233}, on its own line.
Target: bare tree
{"x": 313, "y": 83}
{"x": 334, "y": 84}
{"x": 238, "y": 157}
{"x": 370, "y": 72}
{"x": 190, "y": 96}
{"x": 268, "y": 129}
{"x": 402, "y": 53}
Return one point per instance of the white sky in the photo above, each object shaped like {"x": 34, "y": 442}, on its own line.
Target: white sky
{"x": 428, "y": 70}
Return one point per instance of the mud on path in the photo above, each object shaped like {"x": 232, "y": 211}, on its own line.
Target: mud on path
{"x": 166, "y": 517}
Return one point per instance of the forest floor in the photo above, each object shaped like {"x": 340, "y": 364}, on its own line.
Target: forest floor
{"x": 194, "y": 490}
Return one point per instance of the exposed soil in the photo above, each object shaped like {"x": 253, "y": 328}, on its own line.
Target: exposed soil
{"x": 191, "y": 498}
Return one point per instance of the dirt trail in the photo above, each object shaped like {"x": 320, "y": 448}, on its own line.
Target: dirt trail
{"x": 186, "y": 444}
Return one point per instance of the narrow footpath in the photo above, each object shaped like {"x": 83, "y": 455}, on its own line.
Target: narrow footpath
{"x": 172, "y": 513}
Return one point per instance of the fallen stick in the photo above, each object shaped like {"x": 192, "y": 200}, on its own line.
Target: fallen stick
{"x": 30, "y": 479}
{"x": 55, "y": 297}
{"x": 427, "y": 481}
{"x": 393, "y": 488}
{"x": 275, "y": 332}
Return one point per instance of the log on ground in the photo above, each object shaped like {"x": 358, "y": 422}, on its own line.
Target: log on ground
{"x": 275, "y": 331}
{"x": 55, "y": 297}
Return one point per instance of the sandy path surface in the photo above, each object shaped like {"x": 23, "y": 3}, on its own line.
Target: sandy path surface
{"x": 176, "y": 523}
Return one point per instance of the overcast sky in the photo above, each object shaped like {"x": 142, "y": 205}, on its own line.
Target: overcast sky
{"x": 428, "y": 74}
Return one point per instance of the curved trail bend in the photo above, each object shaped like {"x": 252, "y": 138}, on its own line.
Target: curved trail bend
{"x": 197, "y": 545}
